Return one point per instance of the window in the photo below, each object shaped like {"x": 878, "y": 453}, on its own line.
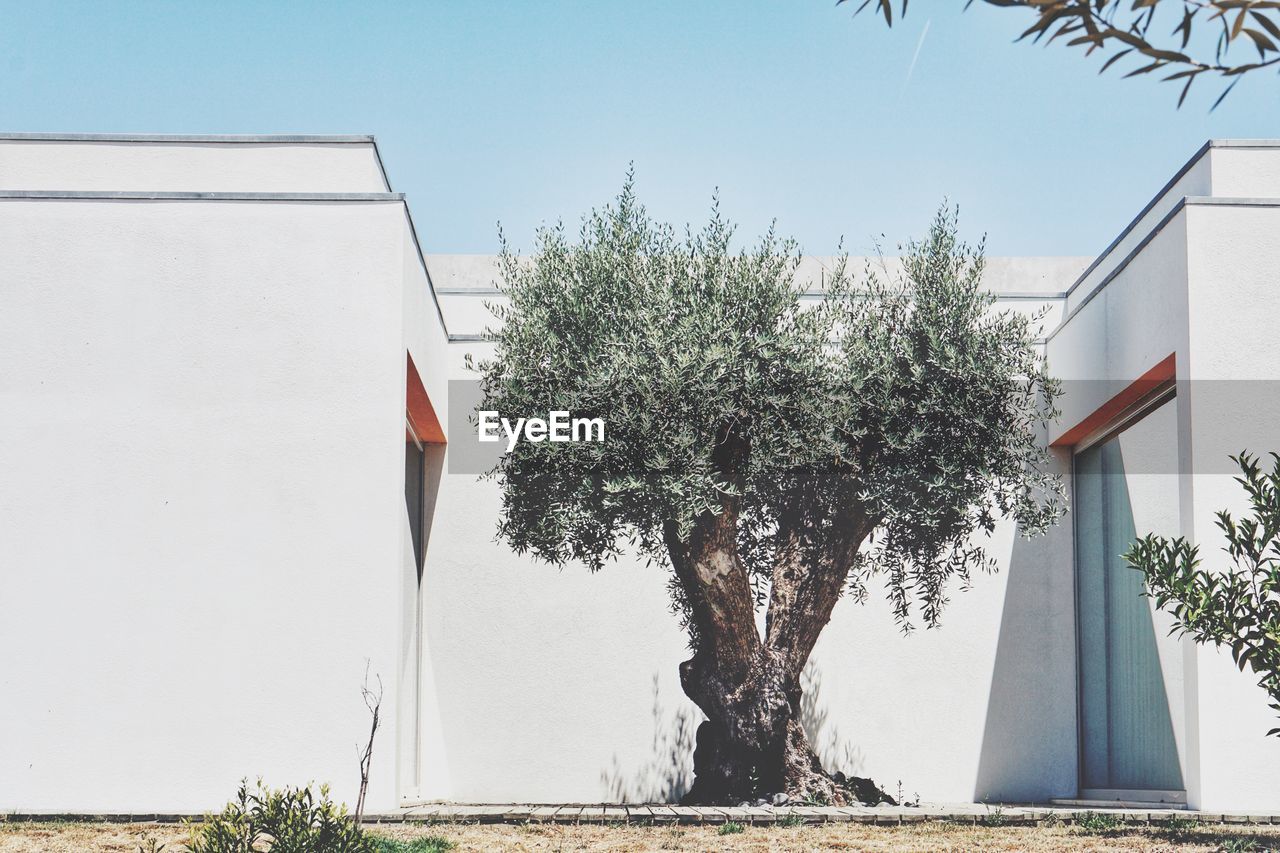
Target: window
{"x": 1129, "y": 671}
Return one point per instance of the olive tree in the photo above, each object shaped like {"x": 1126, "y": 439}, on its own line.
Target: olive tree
{"x": 1237, "y": 606}
{"x": 769, "y": 454}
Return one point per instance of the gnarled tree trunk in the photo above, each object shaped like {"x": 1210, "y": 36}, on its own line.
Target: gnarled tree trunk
{"x": 753, "y": 742}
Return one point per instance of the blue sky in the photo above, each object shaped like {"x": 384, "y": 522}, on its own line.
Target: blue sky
{"x": 525, "y": 112}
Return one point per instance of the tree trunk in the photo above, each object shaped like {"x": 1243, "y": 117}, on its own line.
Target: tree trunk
{"x": 753, "y": 743}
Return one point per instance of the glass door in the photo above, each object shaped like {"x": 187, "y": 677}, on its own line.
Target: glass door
{"x": 1125, "y": 486}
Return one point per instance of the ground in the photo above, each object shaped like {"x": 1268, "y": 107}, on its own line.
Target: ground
{"x": 54, "y": 837}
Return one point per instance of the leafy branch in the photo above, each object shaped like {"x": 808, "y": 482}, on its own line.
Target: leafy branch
{"x": 1238, "y": 607}
{"x": 1134, "y": 30}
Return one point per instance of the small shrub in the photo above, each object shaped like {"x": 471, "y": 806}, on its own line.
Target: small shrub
{"x": 423, "y": 844}
{"x": 732, "y": 828}
{"x": 150, "y": 845}
{"x": 995, "y": 816}
{"x": 1239, "y": 845}
{"x": 290, "y": 820}
{"x": 791, "y": 820}
{"x": 1098, "y": 822}
{"x": 1180, "y": 828}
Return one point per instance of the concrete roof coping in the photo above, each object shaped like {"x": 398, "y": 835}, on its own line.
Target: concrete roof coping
{"x": 158, "y": 195}
{"x": 1178, "y": 207}
{"x": 1177, "y": 176}
{"x": 179, "y": 138}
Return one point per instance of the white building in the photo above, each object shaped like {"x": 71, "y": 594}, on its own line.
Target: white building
{"x": 225, "y": 395}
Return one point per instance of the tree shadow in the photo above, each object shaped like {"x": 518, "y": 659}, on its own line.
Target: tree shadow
{"x": 668, "y": 772}
{"x": 837, "y": 753}
{"x": 1028, "y": 751}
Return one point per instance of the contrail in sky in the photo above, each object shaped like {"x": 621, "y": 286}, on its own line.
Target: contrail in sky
{"x": 911, "y": 68}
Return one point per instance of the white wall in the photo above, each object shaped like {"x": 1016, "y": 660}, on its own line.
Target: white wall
{"x": 201, "y": 481}
{"x": 201, "y": 472}
{"x": 1233, "y": 368}
{"x": 1202, "y": 286}
{"x": 198, "y": 166}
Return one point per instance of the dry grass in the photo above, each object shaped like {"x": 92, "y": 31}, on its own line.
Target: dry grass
{"x": 129, "y": 838}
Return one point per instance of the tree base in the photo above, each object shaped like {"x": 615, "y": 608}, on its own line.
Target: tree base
{"x": 723, "y": 776}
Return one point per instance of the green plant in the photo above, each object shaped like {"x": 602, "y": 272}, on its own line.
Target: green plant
{"x": 1124, "y": 29}
{"x": 772, "y": 453}
{"x": 149, "y": 844}
{"x": 1240, "y": 845}
{"x": 731, "y": 828}
{"x": 1238, "y": 607}
{"x": 422, "y": 844}
{"x": 291, "y": 820}
{"x": 995, "y": 816}
{"x": 1180, "y": 828}
{"x": 1098, "y": 822}
{"x": 791, "y": 820}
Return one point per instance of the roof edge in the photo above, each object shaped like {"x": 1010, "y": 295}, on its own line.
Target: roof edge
{"x": 228, "y": 138}
{"x": 159, "y": 195}
{"x": 1164, "y": 191}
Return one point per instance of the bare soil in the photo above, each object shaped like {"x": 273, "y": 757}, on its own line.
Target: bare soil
{"x": 135, "y": 837}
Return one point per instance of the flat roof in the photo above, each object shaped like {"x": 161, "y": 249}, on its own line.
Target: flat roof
{"x": 266, "y": 138}
{"x": 166, "y": 195}
{"x": 1155, "y": 200}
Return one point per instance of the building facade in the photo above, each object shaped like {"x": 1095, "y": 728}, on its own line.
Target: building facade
{"x": 231, "y": 473}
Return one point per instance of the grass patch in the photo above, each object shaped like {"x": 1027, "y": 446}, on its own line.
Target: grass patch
{"x": 995, "y": 816}
{"x": 1098, "y": 823}
{"x": 731, "y": 828}
{"x": 421, "y": 844}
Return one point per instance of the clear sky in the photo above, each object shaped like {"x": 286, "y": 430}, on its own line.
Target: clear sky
{"x": 524, "y": 112}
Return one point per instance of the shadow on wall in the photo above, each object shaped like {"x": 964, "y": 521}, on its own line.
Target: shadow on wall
{"x": 835, "y": 752}
{"x": 668, "y": 773}
{"x": 1028, "y": 749}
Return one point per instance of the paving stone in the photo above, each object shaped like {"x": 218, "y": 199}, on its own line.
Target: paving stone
{"x": 425, "y": 812}
{"x": 760, "y": 814}
{"x": 967, "y": 813}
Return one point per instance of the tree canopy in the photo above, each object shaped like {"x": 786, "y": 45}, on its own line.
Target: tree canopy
{"x": 903, "y": 399}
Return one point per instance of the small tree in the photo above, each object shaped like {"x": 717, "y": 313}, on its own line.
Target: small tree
{"x": 1238, "y": 607}
{"x": 771, "y": 455}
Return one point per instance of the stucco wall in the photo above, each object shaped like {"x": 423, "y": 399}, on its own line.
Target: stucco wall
{"x": 1233, "y": 372}
{"x": 201, "y": 484}
{"x": 205, "y": 537}
{"x": 153, "y": 163}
